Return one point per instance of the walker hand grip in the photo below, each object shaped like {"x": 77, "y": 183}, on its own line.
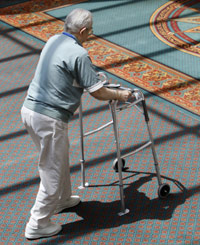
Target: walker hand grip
{"x": 145, "y": 111}
{"x": 111, "y": 85}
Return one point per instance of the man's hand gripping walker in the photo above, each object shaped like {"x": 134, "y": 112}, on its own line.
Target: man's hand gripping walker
{"x": 119, "y": 162}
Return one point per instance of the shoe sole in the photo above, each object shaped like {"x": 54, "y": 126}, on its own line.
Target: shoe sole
{"x": 33, "y": 237}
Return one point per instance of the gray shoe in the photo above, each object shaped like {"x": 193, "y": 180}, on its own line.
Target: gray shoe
{"x": 50, "y": 230}
{"x": 71, "y": 202}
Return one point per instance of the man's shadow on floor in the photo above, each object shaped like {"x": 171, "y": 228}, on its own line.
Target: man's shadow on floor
{"x": 98, "y": 215}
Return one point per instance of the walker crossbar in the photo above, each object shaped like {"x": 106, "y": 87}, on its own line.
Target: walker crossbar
{"x": 98, "y": 129}
{"x": 119, "y": 162}
{"x": 136, "y": 151}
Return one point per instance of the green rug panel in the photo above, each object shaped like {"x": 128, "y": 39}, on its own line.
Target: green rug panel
{"x": 5, "y": 3}
{"x": 126, "y": 23}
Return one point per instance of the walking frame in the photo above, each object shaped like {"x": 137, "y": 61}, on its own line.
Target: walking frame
{"x": 119, "y": 162}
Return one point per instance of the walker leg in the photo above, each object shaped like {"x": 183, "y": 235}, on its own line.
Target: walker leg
{"x": 83, "y": 183}
{"x": 116, "y": 133}
{"x": 154, "y": 155}
{"x": 152, "y": 143}
{"x": 164, "y": 189}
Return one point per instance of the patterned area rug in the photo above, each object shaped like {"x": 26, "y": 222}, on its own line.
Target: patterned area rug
{"x": 170, "y": 84}
{"x": 174, "y": 220}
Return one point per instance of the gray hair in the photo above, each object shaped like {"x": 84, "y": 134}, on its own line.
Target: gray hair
{"x": 77, "y": 19}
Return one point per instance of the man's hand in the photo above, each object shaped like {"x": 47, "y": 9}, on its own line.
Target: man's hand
{"x": 123, "y": 95}
{"x": 112, "y": 94}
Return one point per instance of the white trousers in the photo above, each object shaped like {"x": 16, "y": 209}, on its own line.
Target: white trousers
{"x": 51, "y": 139}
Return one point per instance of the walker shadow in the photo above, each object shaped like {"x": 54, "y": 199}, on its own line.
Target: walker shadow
{"x": 104, "y": 215}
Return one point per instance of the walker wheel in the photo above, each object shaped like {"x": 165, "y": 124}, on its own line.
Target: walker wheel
{"x": 115, "y": 164}
{"x": 163, "y": 191}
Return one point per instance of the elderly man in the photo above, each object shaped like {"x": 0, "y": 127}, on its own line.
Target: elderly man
{"x": 64, "y": 70}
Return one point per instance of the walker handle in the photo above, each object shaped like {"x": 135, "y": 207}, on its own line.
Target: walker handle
{"x": 111, "y": 85}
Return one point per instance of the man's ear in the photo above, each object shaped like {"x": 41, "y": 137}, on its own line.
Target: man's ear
{"x": 82, "y": 30}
